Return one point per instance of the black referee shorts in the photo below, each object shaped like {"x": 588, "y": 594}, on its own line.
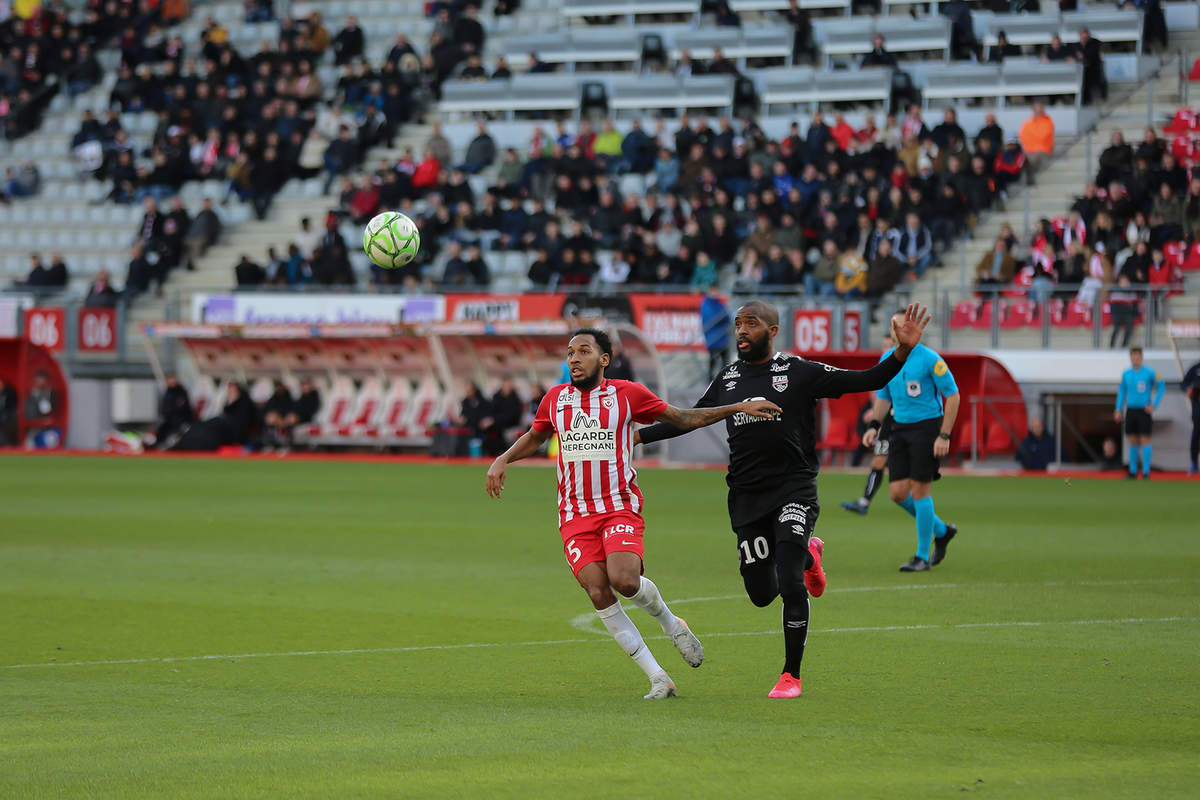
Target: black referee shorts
{"x": 910, "y": 456}
{"x": 1138, "y": 422}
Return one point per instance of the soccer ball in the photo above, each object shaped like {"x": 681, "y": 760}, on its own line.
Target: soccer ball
{"x": 391, "y": 240}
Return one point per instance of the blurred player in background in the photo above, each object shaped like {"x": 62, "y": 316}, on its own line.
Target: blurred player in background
{"x": 1138, "y": 396}
{"x": 1191, "y": 387}
{"x": 773, "y": 464}
{"x": 599, "y": 503}
{"x": 920, "y": 437}
{"x": 878, "y": 460}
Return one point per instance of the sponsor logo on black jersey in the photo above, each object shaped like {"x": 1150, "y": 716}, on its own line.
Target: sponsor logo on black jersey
{"x": 729, "y": 387}
{"x": 781, "y": 367}
{"x": 732, "y": 372}
{"x": 740, "y": 419}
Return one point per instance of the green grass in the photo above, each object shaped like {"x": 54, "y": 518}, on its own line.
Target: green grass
{"x": 108, "y": 560}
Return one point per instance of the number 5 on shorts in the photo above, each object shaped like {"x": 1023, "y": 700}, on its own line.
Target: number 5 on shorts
{"x": 573, "y": 552}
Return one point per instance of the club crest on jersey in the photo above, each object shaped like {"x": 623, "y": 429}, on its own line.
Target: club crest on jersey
{"x": 609, "y": 402}
{"x": 779, "y": 383}
{"x": 732, "y": 372}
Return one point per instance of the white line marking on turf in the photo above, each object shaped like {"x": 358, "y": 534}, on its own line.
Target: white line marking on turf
{"x": 471, "y": 645}
{"x": 590, "y": 623}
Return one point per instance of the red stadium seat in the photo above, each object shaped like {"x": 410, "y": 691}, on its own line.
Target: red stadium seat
{"x": 1074, "y": 315}
{"x": 964, "y": 314}
{"x": 1175, "y": 252}
{"x": 839, "y": 436}
{"x": 394, "y": 411}
{"x": 983, "y": 320}
{"x": 1019, "y": 314}
{"x": 997, "y": 440}
{"x": 1192, "y": 261}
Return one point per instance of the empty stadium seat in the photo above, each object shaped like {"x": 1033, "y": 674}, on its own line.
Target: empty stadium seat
{"x": 395, "y": 410}
{"x": 839, "y": 437}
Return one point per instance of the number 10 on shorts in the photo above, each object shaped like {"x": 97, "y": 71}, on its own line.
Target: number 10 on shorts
{"x": 760, "y": 549}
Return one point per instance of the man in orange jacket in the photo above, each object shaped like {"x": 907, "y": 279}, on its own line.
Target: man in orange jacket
{"x": 1037, "y": 140}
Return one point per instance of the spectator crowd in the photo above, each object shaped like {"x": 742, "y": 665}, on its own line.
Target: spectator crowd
{"x": 1135, "y": 226}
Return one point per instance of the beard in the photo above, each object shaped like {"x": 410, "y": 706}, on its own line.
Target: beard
{"x": 587, "y": 382}
{"x": 759, "y": 350}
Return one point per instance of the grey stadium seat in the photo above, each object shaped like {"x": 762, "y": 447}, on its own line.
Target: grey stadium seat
{"x": 1109, "y": 26}
{"x": 863, "y": 86}
{"x": 1028, "y": 76}
{"x": 787, "y": 86}
{"x": 473, "y": 97}
{"x": 955, "y": 81}
{"x": 544, "y": 93}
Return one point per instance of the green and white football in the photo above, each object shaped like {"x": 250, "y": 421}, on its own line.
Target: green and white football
{"x": 391, "y": 240}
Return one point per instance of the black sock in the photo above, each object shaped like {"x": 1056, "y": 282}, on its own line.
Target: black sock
{"x": 874, "y": 480}
{"x": 795, "y": 631}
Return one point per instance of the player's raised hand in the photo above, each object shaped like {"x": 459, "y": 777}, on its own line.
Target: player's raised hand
{"x": 760, "y": 408}
{"x": 495, "y": 478}
{"x": 907, "y": 334}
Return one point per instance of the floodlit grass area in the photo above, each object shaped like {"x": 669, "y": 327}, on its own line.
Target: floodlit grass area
{"x": 250, "y": 628}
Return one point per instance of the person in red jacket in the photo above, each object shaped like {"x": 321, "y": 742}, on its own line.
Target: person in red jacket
{"x": 425, "y": 176}
{"x": 1009, "y": 164}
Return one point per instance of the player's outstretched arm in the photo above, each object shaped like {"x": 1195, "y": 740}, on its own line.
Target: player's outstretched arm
{"x": 906, "y": 335}
{"x": 524, "y": 447}
{"x": 688, "y": 419}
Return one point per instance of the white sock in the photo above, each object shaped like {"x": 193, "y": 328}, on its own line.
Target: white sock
{"x": 649, "y": 600}
{"x": 629, "y": 637}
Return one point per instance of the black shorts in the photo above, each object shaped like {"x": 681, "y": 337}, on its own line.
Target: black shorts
{"x": 1138, "y": 422}
{"x": 910, "y": 456}
{"x": 758, "y": 541}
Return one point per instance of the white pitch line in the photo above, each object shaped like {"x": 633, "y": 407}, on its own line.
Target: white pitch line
{"x": 589, "y": 622}
{"x": 418, "y": 648}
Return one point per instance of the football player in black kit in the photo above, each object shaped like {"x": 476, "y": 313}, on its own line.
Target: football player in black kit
{"x": 773, "y": 464}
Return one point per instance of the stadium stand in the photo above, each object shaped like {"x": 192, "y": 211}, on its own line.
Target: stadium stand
{"x": 790, "y": 110}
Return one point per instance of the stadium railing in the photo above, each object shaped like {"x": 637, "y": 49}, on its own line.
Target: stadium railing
{"x": 1052, "y": 311}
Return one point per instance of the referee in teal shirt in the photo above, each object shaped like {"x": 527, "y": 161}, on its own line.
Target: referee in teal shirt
{"x": 1138, "y": 396}
{"x": 920, "y": 436}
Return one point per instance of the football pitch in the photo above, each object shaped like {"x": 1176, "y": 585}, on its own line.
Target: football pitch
{"x": 253, "y": 628}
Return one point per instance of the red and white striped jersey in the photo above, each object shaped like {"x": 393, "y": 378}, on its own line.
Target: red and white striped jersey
{"x": 595, "y": 444}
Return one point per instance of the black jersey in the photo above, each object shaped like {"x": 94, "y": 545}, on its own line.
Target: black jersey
{"x": 773, "y": 460}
